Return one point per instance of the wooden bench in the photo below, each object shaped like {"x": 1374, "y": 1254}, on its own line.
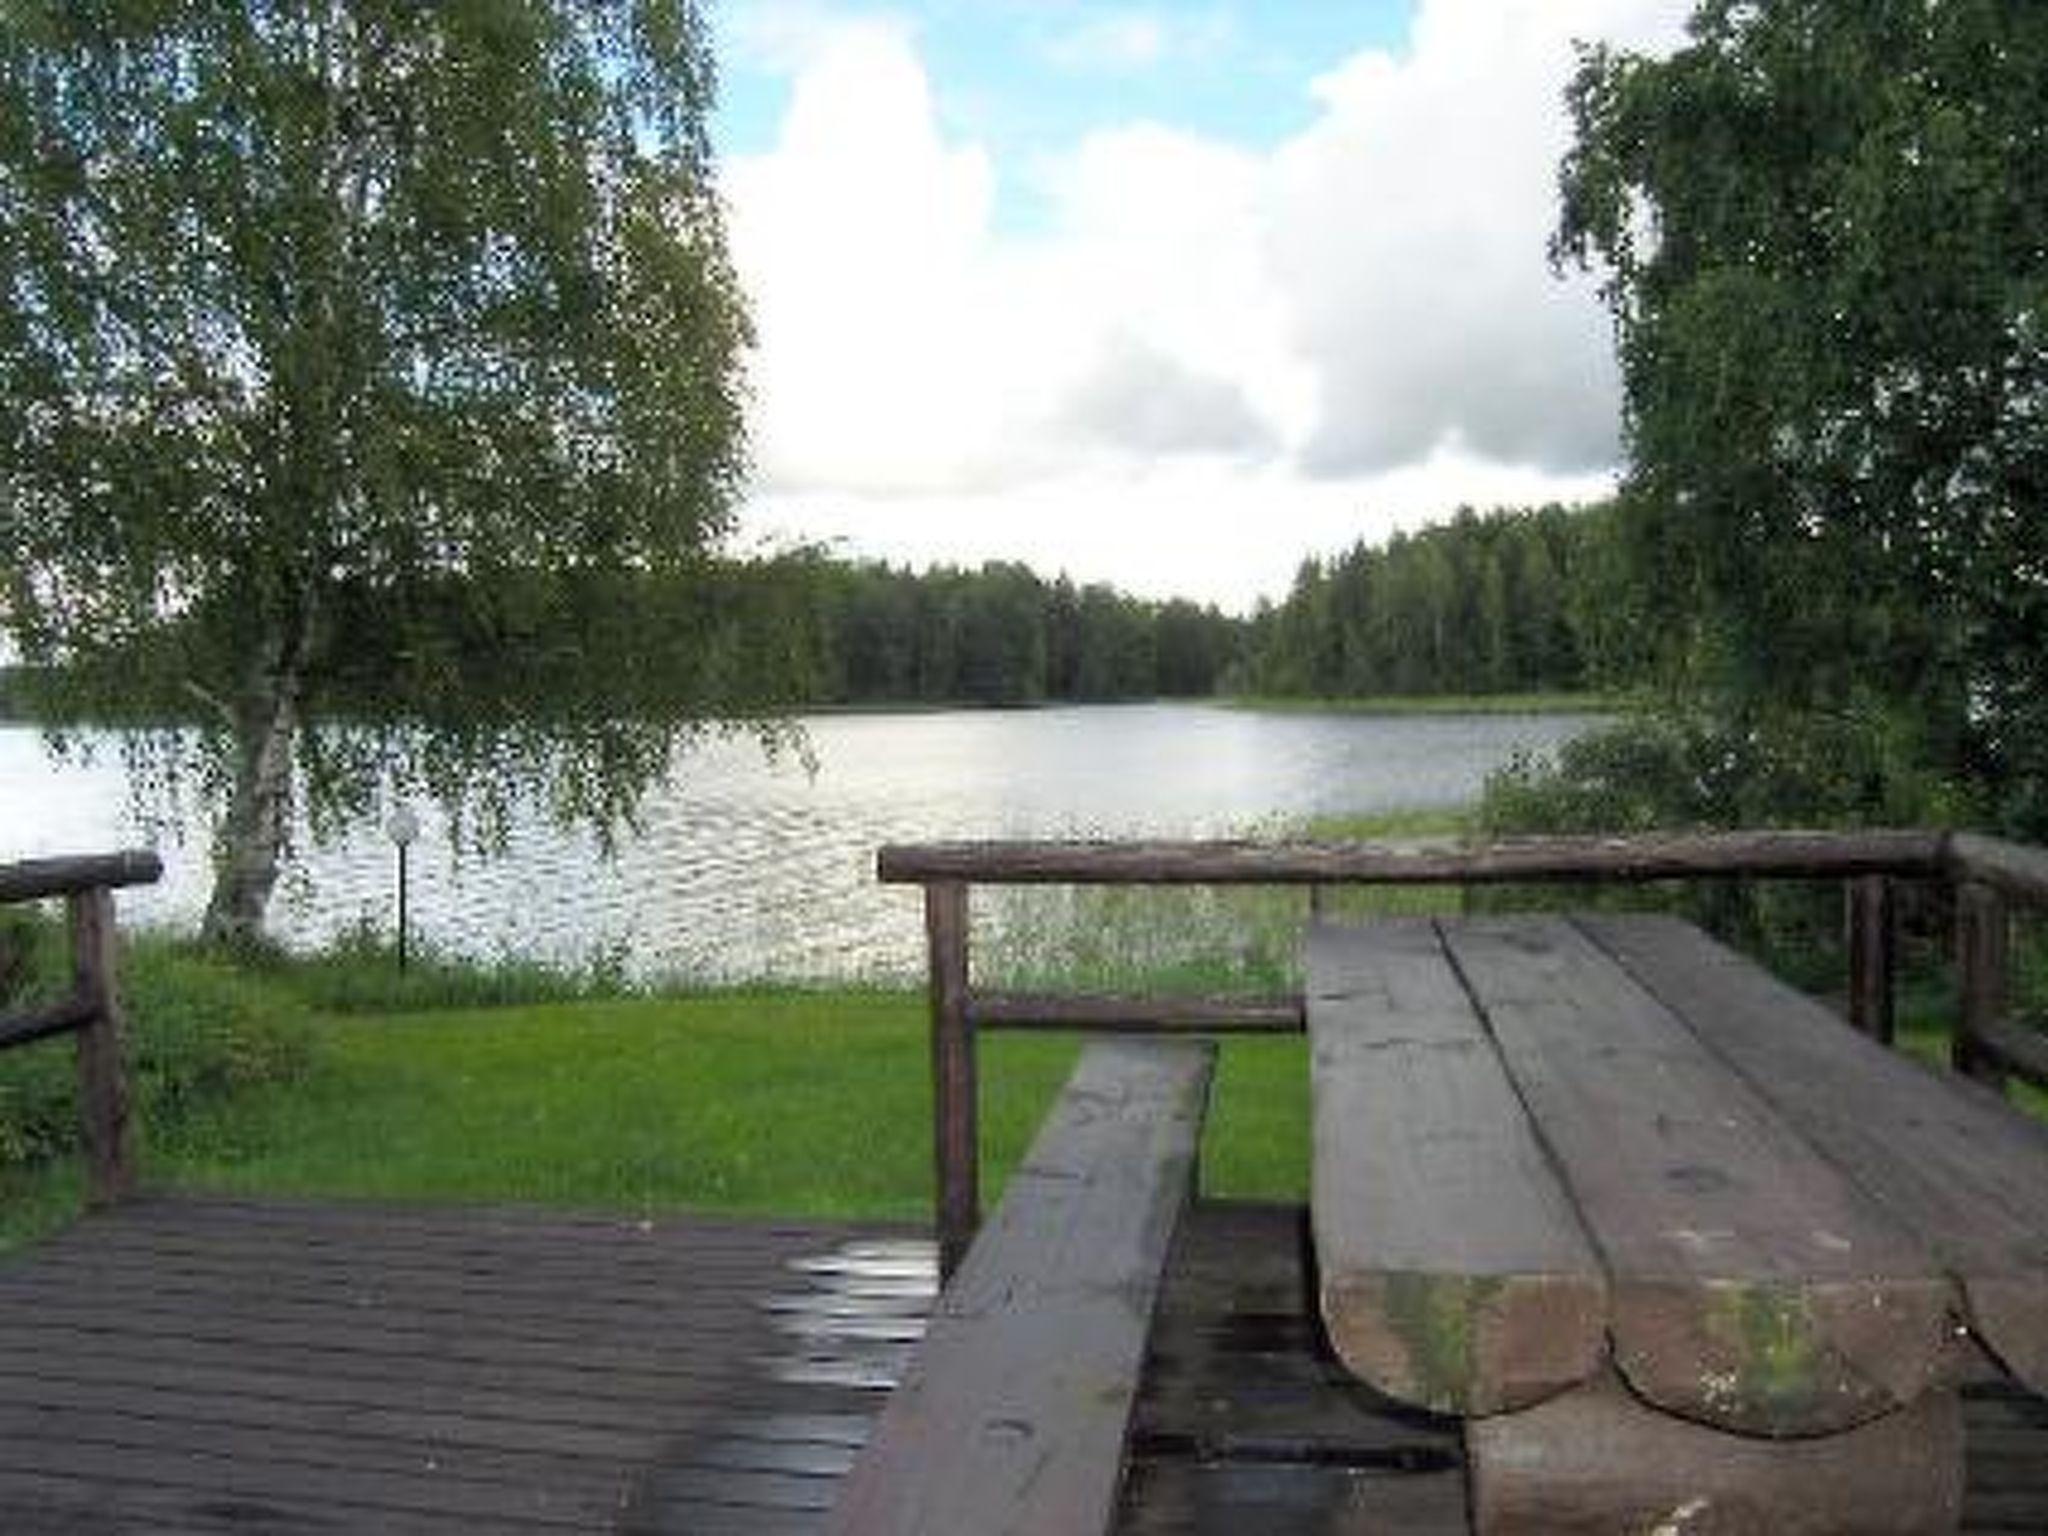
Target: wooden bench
{"x": 1683, "y": 1251}
{"x": 1013, "y": 1416}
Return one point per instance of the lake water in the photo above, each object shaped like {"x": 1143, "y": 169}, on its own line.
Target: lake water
{"x": 748, "y": 868}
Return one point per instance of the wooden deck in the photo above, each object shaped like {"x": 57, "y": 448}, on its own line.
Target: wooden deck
{"x": 189, "y": 1366}
{"x": 203, "y": 1365}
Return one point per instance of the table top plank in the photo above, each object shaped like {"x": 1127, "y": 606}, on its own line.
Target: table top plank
{"x": 1946, "y": 1156}
{"x": 1455, "y": 1273}
{"x": 1752, "y": 1286}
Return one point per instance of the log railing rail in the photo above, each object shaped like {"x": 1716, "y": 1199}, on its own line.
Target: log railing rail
{"x": 92, "y": 1012}
{"x": 1989, "y": 876}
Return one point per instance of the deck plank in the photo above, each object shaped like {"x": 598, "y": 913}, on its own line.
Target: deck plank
{"x": 201, "y": 1365}
{"x": 1247, "y": 1422}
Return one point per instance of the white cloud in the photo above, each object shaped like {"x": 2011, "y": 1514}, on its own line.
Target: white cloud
{"x": 1408, "y": 228}
{"x": 1212, "y": 361}
{"x": 863, "y": 240}
{"x": 1138, "y": 399}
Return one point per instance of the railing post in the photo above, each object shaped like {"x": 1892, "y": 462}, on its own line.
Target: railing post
{"x": 956, "y": 1144}
{"x": 1981, "y": 978}
{"x": 103, "y": 1108}
{"x": 1867, "y": 914}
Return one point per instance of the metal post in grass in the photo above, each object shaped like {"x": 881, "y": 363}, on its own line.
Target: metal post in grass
{"x": 403, "y": 826}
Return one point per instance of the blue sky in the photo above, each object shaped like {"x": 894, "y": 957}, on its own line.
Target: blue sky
{"x": 1030, "y": 78}
{"x": 1169, "y": 295}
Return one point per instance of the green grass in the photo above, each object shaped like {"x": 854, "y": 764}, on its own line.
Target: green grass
{"x": 469, "y": 1083}
{"x": 793, "y": 1103}
{"x": 38, "y": 1200}
{"x": 1440, "y": 704}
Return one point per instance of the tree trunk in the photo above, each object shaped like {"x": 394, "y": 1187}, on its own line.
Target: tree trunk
{"x": 250, "y": 841}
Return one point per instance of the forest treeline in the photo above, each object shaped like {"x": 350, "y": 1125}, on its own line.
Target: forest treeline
{"x": 1003, "y": 635}
{"x": 1509, "y": 601}
{"x": 1502, "y": 602}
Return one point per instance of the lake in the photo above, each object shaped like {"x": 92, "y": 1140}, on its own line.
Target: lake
{"x": 748, "y": 868}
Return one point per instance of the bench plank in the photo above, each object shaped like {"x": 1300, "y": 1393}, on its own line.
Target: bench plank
{"x": 1945, "y": 1156}
{"x": 1596, "y": 1459}
{"x": 1012, "y": 1418}
{"x": 1752, "y": 1286}
{"x": 1455, "y": 1273}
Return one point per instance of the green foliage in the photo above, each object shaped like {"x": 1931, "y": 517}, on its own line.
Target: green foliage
{"x": 1683, "y": 769}
{"x": 321, "y": 319}
{"x": 200, "y": 1032}
{"x": 1823, "y": 226}
{"x": 1512, "y": 602}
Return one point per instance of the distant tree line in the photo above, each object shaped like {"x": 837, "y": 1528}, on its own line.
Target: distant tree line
{"x": 1505, "y": 602}
{"x": 1004, "y": 635}
{"x": 727, "y": 638}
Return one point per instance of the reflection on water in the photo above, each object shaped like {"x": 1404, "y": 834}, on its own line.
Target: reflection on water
{"x": 747, "y": 868}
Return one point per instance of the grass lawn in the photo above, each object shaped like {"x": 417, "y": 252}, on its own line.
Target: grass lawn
{"x": 785, "y": 1102}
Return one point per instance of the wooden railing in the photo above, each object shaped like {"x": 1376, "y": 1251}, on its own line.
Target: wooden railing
{"x": 1988, "y": 876}
{"x": 92, "y": 1012}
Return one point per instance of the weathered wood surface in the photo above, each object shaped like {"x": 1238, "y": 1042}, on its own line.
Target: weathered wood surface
{"x": 1596, "y": 1459}
{"x": 2013, "y": 1048}
{"x": 1946, "y": 1158}
{"x": 1752, "y": 1285}
{"x": 216, "y": 1366}
{"x": 1817, "y": 855}
{"x": 1014, "y": 1415}
{"x": 58, "y": 1018}
{"x": 1983, "y": 936}
{"x": 35, "y": 879}
{"x": 441, "y": 1372}
{"x": 106, "y": 1136}
{"x": 2018, "y": 869}
{"x": 1136, "y": 1015}
{"x": 1871, "y": 923}
{"x": 1455, "y": 1272}
{"x": 956, "y": 1139}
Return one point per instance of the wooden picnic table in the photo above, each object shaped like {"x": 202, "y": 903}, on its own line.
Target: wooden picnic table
{"x": 1683, "y": 1251}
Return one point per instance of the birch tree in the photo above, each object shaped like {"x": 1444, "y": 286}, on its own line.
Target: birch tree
{"x": 326, "y": 318}
{"x": 1822, "y": 227}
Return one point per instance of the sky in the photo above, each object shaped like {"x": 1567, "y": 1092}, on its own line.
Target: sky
{"x": 1167, "y": 295}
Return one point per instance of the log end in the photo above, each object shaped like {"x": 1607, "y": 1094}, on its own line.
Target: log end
{"x": 1782, "y": 1359}
{"x": 1464, "y": 1344}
